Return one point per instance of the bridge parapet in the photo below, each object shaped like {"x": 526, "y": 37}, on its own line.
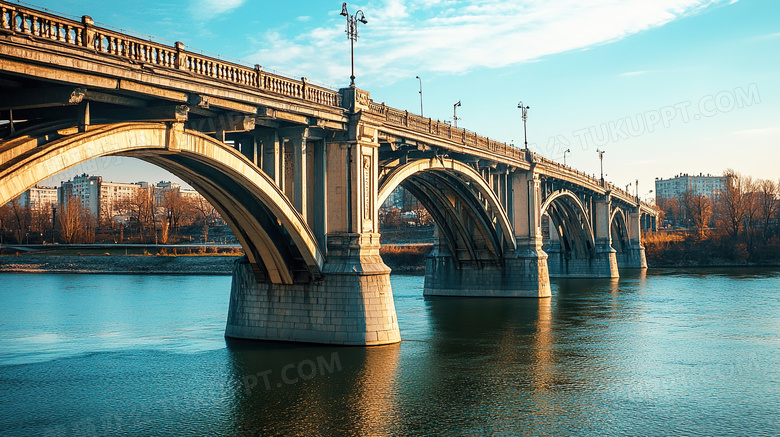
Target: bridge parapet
{"x": 39, "y": 24}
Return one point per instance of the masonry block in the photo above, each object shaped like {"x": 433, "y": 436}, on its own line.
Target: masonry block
{"x": 295, "y": 312}
{"x": 519, "y": 276}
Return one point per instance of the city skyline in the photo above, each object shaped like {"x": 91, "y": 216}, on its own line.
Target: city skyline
{"x": 664, "y": 87}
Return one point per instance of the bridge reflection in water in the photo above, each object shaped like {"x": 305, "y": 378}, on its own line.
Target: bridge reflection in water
{"x": 298, "y": 172}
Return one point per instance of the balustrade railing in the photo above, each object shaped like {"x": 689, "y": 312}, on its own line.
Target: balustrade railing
{"x": 39, "y": 24}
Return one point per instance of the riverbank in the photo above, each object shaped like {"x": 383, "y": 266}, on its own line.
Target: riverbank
{"x": 689, "y": 251}
{"x": 401, "y": 258}
{"x": 118, "y": 264}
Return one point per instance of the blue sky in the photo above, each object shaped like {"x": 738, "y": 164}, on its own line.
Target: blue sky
{"x": 664, "y": 86}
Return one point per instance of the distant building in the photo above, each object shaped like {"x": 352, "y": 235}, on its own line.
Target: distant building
{"x": 84, "y": 188}
{"x": 38, "y": 197}
{"x": 164, "y": 186}
{"x": 103, "y": 198}
{"x": 707, "y": 185}
{"x": 99, "y": 197}
{"x": 112, "y": 194}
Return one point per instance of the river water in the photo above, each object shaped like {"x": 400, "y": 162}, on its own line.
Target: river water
{"x": 669, "y": 352}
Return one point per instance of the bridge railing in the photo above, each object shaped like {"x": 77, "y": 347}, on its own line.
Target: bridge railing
{"x": 43, "y": 25}
{"x": 442, "y": 130}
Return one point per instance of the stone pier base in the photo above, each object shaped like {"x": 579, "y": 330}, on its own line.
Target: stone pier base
{"x": 632, "y": 258}
{"x": 603, "y": 264}
{"x": 518, "y": 277}
{"x": 344, "y": 309}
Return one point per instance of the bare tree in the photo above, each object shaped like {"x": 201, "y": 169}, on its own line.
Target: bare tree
{"x": 71, "y": 219}
{"x": 731, "y": 203}
{"x": 202, "y": 207}
{"x": 751, "y": 204}
{"x": 40, "y": 216}
{"x": 140, "y": 206}
{"x": 672, "y": 209}
{"x": 21, "y": 219}
{"x": 422, "y": 215}
{"x": 768, "y": 204}
{"x": 5, "y": 220}
{"x": 699, "y": 210}
{"x": 174, "y": 208}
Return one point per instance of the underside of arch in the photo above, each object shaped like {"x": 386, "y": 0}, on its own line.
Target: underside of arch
{"x": 472, "y": 223}
{"x": 570, "y": 221}
{"x": 619, "y": 230}
{"x": 269, "y": 228}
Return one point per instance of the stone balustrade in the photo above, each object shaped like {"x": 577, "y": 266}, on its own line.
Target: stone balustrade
{"x": 41, "y": 25}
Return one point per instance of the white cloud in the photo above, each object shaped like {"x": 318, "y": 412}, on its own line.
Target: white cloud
{"x": 767, "y": 131}
{"x": 405, "y": 37}
{"x": 206, "y": 9}
{"x": 633, "y": 73}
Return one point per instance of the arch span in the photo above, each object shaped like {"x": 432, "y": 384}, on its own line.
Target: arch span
{"x": 618, "y": 230}
{"x": 272, "y": 232}
{"x": 571, "y": 221}
{"x": 462, "y": 180}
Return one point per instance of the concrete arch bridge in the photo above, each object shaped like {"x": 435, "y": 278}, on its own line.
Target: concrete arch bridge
{"x": 298, "y": 172}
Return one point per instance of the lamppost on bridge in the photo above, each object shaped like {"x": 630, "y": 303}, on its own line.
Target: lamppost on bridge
{"x": 564, "y": 155}
{"x": 352, "y": 35}
{"x": 628, "y": 185}
{"x": 601, "y": 159}
{"x": 637, "y": 189}
{"x": 455, "y": 114}
{"x": 421, "y": 99}
{"x": 524, "y": 108}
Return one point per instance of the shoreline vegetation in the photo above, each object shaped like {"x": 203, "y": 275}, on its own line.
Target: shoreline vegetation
{"x": 207, "y": 261}
{"x": 662, "y": 251}
{"x": 708, "y": 249}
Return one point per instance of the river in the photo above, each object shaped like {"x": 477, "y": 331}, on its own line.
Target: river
{"x": 669, "y": 352}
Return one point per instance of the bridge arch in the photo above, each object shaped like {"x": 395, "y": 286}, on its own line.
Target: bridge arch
{"x": 451, "y": 190}
{"x": 618, "y": 230}
{"x": 571, "y": 222}
{"x": 277, "y": 240}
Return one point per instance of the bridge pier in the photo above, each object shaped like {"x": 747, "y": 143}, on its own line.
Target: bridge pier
{"x": 521, "y": 275}
{"x": 633, "y": 257}
{"x": 352, "y": 305}
{"x": 603, "y": 264}
{"x": 522, "y": 272}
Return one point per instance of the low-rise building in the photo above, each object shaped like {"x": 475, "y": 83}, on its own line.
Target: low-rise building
{"x": 38, "y": 197}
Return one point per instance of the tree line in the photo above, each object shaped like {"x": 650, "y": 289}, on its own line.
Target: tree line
{"x": 143, "y": 217}
{"x": 740, "y": 222}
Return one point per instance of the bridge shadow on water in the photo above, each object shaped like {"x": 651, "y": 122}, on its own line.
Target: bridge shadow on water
{"x": 474, "y": 365}
{"x": 293, "y": 389}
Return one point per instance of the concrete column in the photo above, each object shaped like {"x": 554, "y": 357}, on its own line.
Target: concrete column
{"x": 556, "y": 258}
{"x": 272, "y": 155}
{"x": 634, "y": 256}
{"x": 604, "y": 264}
{"x": 287, "y": 166}
{"x": 298, "y": 184}
{"x": 319, "y": 191}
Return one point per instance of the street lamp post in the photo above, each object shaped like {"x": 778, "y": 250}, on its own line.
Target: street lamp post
{"x": 601, "y": 159}
{"x": 637, "y": 189}
{"x": 352, "y": 35}
{"x": 564, "y": 155}
{"x": 455, "y": 114}
{"x": 421, "y": 99}
{"x": 524, "y": 108}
